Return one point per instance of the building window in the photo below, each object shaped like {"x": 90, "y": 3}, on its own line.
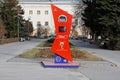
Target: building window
{"x": 46, "y": 12}
{"x": 38, "y": 24}
{"x": 30, "y": 12}
{"x": 38, "y": 12}
{"x": 46, "y": 23}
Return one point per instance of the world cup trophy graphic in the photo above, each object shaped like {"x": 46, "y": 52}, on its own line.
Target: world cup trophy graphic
{"x": 62, "y": 45}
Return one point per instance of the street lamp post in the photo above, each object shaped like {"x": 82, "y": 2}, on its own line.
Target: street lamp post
{"x": 18, "y": 26}
{"x": 29, "y": 18}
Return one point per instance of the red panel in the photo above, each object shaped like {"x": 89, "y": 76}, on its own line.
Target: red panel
{"x": 61, "y": 43}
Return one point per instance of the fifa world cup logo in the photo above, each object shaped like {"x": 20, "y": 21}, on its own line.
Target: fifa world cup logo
{"x": 62, "y": 45}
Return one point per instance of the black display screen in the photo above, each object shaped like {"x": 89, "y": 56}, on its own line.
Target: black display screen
{"x": 62, "y": 29}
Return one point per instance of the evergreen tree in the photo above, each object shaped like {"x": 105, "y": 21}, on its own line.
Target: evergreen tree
{"x": 102, "y": 16}
{"x": 9, "y": 9}
{"x": 89, "y": 16}
{"x": 108, "y": 18}
{"x": 7, "y": 14}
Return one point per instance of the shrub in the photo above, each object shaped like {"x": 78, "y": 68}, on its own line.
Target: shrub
{"x": 118, "y": 45}
{"x": 113, "y": 43}
{"x": 50, "y": 40}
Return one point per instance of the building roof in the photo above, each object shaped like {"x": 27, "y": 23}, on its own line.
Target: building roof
{"x": 50, "y": 0}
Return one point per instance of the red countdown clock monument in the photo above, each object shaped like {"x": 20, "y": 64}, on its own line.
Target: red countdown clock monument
{"x": 61, "y": 48}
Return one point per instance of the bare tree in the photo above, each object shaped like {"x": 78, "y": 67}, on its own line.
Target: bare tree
{"x": 29, "y": 26}
{"x": 2, "y": 29}
{"x": 43, "y": 30}
{"x": 40, "y": 31}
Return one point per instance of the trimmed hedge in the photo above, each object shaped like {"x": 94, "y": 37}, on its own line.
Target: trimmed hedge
{"x": 112, "y": 44}
{"x": 50, "y": 40}
{"x": 9, "y": 40}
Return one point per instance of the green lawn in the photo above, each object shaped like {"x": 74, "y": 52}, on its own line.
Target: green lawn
{"x": 46, "y": 53}
{"x": 29, "y": 54}
{"x": 39, "y": 52}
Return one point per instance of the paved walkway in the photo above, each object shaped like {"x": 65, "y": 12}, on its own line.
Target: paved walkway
{"x": 30, "y": 70}
{"x": 34, "y": 71}
{"x": 110, "y": 55}
{"x": 100, "y": 70}
{"x": 11, "y": 50}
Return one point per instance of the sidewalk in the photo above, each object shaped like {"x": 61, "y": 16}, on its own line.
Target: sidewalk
{"x": 11, "y": 50}
{"x": 30, "y": 70}
{"x": 110, "y": 55}
{"x": 100, "y": 70}
{"x": 34, "y": 71}
{"x": 16, "y": 70}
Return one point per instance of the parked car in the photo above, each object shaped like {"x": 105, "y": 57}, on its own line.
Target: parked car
{"x": 82, "y": 37}
{"x": 52, "y": 35}
{"x": 21, "y": 39}
{"x": 27, "y": 38}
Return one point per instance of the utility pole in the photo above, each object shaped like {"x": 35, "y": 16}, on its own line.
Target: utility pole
{"x": 18, "y": 25}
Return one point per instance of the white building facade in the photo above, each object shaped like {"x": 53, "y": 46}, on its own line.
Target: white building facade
{"x": 39, "y": 11}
